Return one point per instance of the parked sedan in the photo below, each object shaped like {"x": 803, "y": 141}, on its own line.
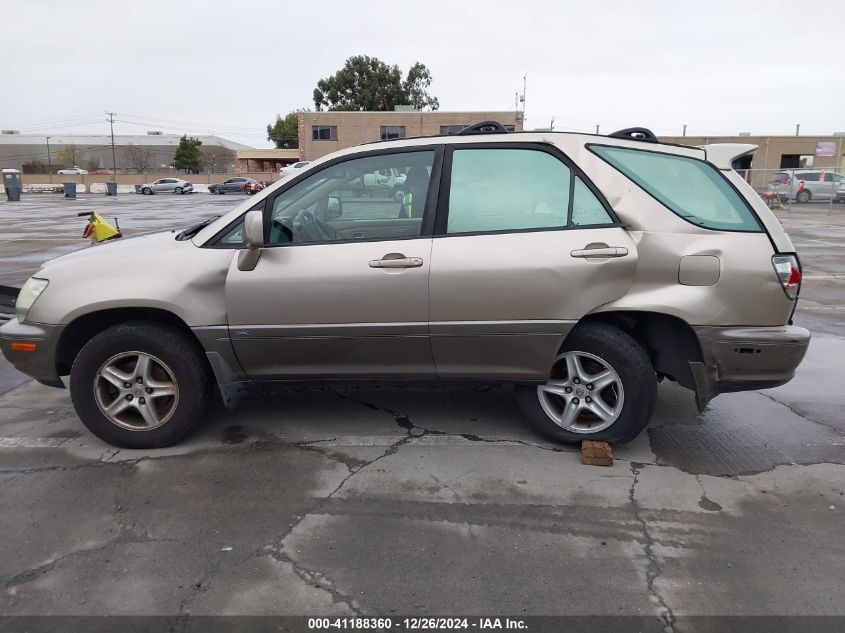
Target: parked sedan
{"x": 238, "y": 184}
{"x": 72, "y": 171}
{"x": 167, "y": 185}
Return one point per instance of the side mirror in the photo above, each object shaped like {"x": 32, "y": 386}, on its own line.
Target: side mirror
{"x": 334, "y": 208}
{"x": 253, "y": 239}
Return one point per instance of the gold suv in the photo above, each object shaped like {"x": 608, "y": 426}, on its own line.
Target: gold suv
{"x": 580, "y": 268}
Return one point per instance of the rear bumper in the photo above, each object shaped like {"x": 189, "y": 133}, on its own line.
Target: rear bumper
{"x": 40, "y": 364}
{"x": 747, "y": 358}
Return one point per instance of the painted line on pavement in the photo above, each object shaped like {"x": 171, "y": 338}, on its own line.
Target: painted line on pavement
{"x": 33, "y": 442}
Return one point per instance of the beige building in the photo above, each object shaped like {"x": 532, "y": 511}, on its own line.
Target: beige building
{"x": 322, "y": 133}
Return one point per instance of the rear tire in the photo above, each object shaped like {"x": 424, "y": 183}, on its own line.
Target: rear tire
{"x": 626, "y": 402}
{"x": 177, "y": 385}
{"x": 803, "y": 197}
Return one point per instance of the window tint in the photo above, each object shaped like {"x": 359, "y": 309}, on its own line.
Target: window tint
{"x": 376, "y": 197}
{"x": 507, "y": 189}
{"x": 808, "y": 177}
{"x": 691, "y": 188}
{"x": 586, "y": 208}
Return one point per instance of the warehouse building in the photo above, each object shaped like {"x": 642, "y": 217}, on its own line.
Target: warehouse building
{"x": 142, "y": 153}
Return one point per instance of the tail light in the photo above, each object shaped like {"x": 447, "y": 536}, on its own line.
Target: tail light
{"x": 789, "y": 274}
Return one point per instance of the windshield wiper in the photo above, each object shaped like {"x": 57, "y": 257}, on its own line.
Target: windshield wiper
{"x": 189, "y": 233}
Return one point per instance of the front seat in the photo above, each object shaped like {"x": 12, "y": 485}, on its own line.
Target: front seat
{"x": 416, "y": 188}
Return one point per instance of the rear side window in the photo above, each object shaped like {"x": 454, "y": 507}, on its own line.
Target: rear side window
{"x": 586, "y": 208}
{"x": 808, "y": 177}
{"x": 507, "y": 190}
{"x": 690, "y": 188}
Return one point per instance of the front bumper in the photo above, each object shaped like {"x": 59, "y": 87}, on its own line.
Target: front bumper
{"x": 40, "y": 364}
{"x": 747, "y": 358}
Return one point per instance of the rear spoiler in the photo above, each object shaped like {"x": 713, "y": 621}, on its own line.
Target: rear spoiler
{"x": 722, "y": 155}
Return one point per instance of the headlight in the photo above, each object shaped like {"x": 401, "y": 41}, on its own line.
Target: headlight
{"x": 31, "y": 290}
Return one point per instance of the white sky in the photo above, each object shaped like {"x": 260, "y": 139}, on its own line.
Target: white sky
{"x": 227, "y": 68}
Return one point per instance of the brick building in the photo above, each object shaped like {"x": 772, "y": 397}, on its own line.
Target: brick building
{"x": 322, "y": 133}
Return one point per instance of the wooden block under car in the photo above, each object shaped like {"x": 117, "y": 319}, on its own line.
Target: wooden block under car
{"x": 596, "y": 453}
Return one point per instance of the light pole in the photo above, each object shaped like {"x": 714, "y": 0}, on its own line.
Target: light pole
{"x": 49, "y": 162}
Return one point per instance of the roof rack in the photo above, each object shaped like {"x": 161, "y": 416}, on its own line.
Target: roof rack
{"x": 485, "y": 127}
{"x": 636, "y": 134}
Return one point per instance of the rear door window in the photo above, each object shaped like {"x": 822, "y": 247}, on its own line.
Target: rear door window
{"x": 507, "y": 190}
{"x": 586, "y": 208}
{"x": 691, "y": 188}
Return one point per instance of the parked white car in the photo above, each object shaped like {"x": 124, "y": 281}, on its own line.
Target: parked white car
{"x": 290, "y": 170}
{"x": 78, "y": 171}
{"x": 162, "y": 185}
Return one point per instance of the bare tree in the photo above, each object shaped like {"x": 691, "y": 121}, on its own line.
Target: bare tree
{"x": 69, "y": 155}
{"x": 216, "y": 157}
{"x": 140, "y": 157}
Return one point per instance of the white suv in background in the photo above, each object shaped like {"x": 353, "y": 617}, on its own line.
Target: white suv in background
{"x": 290, "y": 170}
{"x": 819, "y": 184}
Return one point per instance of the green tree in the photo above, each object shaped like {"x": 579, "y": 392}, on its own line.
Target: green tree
{"x": 285, "y": 131}
{"x": 367, "y": 83}
{"x": 187, "y": 156}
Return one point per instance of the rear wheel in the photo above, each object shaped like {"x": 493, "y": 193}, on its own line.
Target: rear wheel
{"x": 803, "y": 197}
{"x": 140, "y": 385}
{"x": 602, "y": 387}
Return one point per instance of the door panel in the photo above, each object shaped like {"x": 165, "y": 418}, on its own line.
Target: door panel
{"x": 322, "y": 311}
{"x": 501, "y": 304}
{"x": 369, "y": 229}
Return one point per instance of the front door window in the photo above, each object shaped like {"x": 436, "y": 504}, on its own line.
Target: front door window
{"x": 354, "y": 200}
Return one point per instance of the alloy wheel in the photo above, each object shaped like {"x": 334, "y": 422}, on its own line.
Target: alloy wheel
{"x": 136, "y": 391}
{"x": 584, "y": 393}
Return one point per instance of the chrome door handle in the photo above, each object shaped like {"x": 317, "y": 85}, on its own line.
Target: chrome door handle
{"x": 600, "y": 253}
{"x": 396, "y": 260}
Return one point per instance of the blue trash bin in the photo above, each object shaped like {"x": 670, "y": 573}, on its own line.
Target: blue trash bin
{"x": 13, "y": 194}
{"x": 70, "y": 189}
{"x": 111, "y": 188}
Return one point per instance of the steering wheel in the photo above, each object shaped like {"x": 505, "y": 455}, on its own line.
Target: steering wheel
{"x": 312, "y": 228}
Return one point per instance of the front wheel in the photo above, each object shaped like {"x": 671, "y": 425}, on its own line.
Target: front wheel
{"x": 178, "y": 190}
{"x": 140, "y": 385}
{"x": 601, "y": 387}
{"x": 146, "y": 191}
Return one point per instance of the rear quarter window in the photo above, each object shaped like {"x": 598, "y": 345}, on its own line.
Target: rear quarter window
{"x": 690, "y": 188}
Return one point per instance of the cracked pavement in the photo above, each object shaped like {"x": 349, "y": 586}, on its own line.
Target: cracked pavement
{"x": 427, "y": 501}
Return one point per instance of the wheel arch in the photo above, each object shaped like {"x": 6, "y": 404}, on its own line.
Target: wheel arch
{"x": 669, "y": 341}
{"x": 82, "y": 328}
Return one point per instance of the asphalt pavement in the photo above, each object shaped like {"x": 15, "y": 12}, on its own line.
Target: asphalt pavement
{"x": 427, "y": 501}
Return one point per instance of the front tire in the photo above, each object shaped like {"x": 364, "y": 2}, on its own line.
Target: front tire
{"x": 147, "y": 191}
{"x": 140, "y": 385}
{"x": 602, "y": 387}
{"x": 178, "y": 190}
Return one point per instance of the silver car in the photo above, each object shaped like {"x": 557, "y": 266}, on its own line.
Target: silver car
{"x": 582, "y": 269}
{"x": 167, "y": 185}
{"x": 804, "y": 185}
